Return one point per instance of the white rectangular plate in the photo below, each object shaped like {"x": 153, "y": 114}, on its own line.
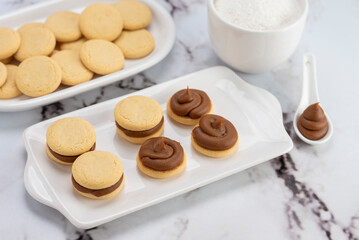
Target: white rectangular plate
{"x": 162, "y": 28}
{"x": 255, "y": 113}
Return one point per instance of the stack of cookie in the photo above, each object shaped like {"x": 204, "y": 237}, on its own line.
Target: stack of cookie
{"x": 69, "y": 48}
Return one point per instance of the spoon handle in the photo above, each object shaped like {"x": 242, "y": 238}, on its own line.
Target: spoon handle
{"x": 310, "y": 89}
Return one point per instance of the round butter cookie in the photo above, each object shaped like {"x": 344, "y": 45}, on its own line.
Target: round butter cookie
{"x": 139, "y": 118}
{"x": 36, "y": 40}
{"x": 3, "y": 74}
{"x": 65, "y": 25}
{"x": 98, "y": 175}
{"x": 215, "y": 136}
{"x": 136, "y": 44}
{"x": 135, "y": 14}
{"x": 101, "y": 21}
{"x": 9, "y": 89}
{"x": 101, "y": 56}
{"x": 161, "y": 157}
{"x": 38, "y": 76}
{"x": 73, "y": 71}
{"x": 9, "y": 42}
{"x": 68, "y": 138}
{"x": 75, "y": 45}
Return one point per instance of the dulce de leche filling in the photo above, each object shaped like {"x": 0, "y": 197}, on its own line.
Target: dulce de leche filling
{"x": 215, "y": 133}
{"x": 161, "y": 154}
{"x": 139, "y": 134}
{"x": 97, "y": 192}
{"x": 68, "y": 159}
{"x": 190, "y": 103}
{"x": 313, "y": 123}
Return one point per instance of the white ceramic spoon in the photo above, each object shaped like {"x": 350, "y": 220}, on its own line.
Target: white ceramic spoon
{"x": 309, "y": 96}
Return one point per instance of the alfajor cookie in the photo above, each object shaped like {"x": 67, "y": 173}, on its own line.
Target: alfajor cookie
{"x": 65, "y": 25}
{"x": 138, "y": 118}
{"x": 9, "y": 42}
{"x": 101, "y": 21}
{"x": 9, "y": 89}
{"x": 135, "y": 14}
{"x": 135, "y": 44}
{"x": 98, "y": 175}
{"x": 73, "y": 71}
{"x": 101, "y": 56}
{"x": 187, "y": 106}
{"x": 215, "y": 136}
{"x": 36, "y": 40}
{"x": 68, "y": 138}
{"x": 75, "y": 45}
{"x": 3, "y": 74}
{"x": 38, "y": 76}
{"x": 161, "y": 157}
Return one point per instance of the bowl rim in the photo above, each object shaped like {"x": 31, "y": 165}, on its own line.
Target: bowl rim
{"x": 303, "y": 16}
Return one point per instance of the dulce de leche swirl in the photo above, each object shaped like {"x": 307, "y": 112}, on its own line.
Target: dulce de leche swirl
{"x": 191, "y": 103}
{"x": 215, "y": 133}
{"x": 313, "y": 123}
{"x": 161, "y": 154}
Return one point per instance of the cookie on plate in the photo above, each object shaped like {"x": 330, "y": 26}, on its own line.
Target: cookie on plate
{"x": 75, "y": 45}
{"x": 68, "y": 138}
{"x": 3, "y": 74}
{"x": 161, "y": 157}
{"x": 101, "y": 21}
{"x": 135, "y": 14}
{"x": 187, "y": 106}
{"x": 73, "y": 71}
{"x": 65, "y": 25}
{"x": 135, "y": 44}
{"x": 139, "y": 118}
{"x": 9, "y": 42}
{"x": 215, "y": 136}
{"x": 98, "y": 175}
{"x": 38, "y": 76}
{"x": 9, "y": 89}
{"x": 101, "y": 56}
{"x": 36, "y": 40}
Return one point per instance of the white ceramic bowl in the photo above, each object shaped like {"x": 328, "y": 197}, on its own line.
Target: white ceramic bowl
{"x": 254, "y": 51}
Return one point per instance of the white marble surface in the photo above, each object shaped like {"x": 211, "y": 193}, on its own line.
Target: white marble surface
{"x": 310, "y": 193}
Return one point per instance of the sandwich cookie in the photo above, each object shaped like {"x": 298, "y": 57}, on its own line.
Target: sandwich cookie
{"x": 101, "y": 56}
{"x": 98, "y": 175}
{"x": 101, "y": 21}
{"x": 215, "y": 136}
{"x": 187, "y": 106}
{"x": 65, "y": 25}
{"x": 161, "y": 157}
{"x": 136, "y": 44}
{"x": 9, "y": 89}
{"x": 135, "y": 15}
{"x": 38, "y": 76}
{"x": 3, "y": 74}
{"x": 36, "y": 40}
{"x": 9, "y": 42}
{"x": 68, "y": 138}
{"x": 139, "y": 118}
{"x": 73, "y": 71}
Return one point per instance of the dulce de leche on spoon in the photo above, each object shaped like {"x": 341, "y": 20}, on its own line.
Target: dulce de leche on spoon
{"x": 313, "y": 123}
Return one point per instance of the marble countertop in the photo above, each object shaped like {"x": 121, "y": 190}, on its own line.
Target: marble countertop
{"x": 309, "y": 193}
